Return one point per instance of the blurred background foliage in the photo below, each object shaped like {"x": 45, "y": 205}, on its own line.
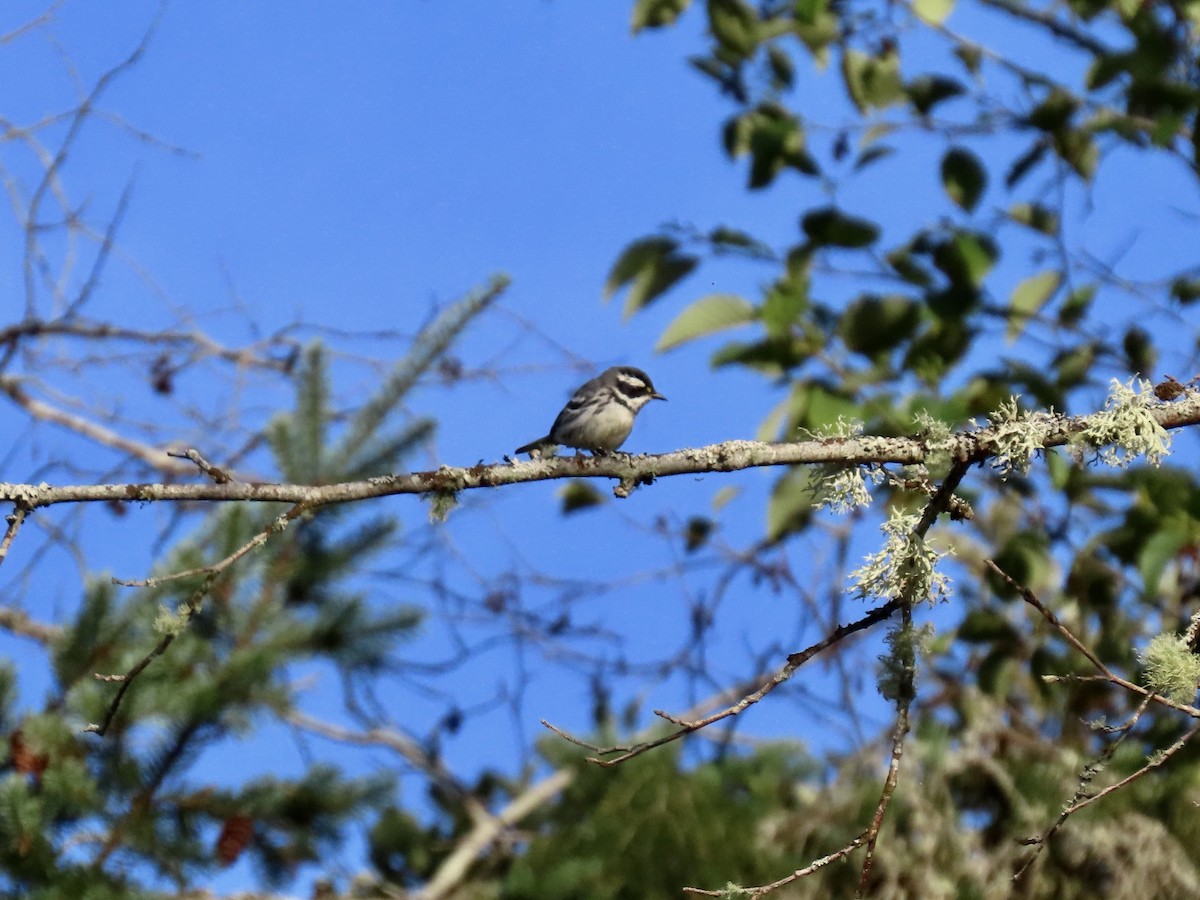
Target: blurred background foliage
{"x": 887, "y": 300}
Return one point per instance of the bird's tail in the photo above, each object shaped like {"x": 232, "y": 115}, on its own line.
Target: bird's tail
{"x": 541, "y": 444}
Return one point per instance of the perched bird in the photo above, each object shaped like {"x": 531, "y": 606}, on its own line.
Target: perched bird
{"x": 599, "y": 416}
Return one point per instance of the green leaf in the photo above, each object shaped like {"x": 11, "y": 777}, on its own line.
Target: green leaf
{"x": 1035, "y": 216}
{"x": 775, "y": 140}
{"x": 932, "y": 12}
{"x": 1028, "y": 298}
{"x": 1075, "y": 307}
{"x": 656, "y": 13}
{"x": 1185, "y": 290}
{"x": 1157, "y": 553}
{"x": 783, "y": 70}
{"x": 831, "y": 227}
{"x": 872, "y": 81}
{"x": 814, "y": 406}
{"x": 872, "y": 325}
{"x": 1078, "y": 148}
{"x": 706, "y": 316}
{"x": 773, "y": 356}
{"x": 735, "y": 26}
{"x": 733, "y": 240}
{"x": 963, "y": 177}
{"x": 1025, "y": 162}
{"x": 790, "y": 508}
{"x": 578, "y": 495}
{"x": 1054, "y": 112}
{"x": 649, "y": 268}
{"x": 1074, "y": 365}
{"x": 1141, "y": 356}
{"x": 872, "y": 154}
{"x": 966, "y": 258}
{"x": 927, "y": 91}
{"x": 971, "y": 57}
{"x": 782, "y": 306}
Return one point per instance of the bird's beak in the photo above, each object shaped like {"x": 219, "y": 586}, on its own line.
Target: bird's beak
{"x": 657, "y": 396}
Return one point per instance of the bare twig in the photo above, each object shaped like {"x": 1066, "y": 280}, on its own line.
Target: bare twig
{"x": 1109, "y": 675}
{"x": 452, "y": 869}
{"x": 251, "y": 356}
{"x": 39, "y": 409}
{"x": 277, "y": 524}
{"x": 1082, "y": 798}
{"x": 49, "y": 178}
{"x": 219, "y": 476}
{"x": 191, "y": 607}
{"x": 899, "y": 733}
{"x": 127, "y": 678}
{"x": 788, "y": 879}
{"x": 15, "y": 521}
{"x": 404, "y": 746}
{"x": 688, "y": 726}
{"x": 19, "y": 622}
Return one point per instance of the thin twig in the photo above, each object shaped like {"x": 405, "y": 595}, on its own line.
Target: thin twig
{"x": 688, "y": 726}
{"x": 126, "y": 679}
{"x": 219, "y": 476}
{"x": 1109, "y": 675}
{"x": 15, "y": 521}
{"x": 899, "y": 733}
{"x": 279, "y": 523}
{"x": 1089, "y": 772}
{"x": 191, "y": 607}
{"x": 788, "y": 879}
{"x": 39, "y": 409}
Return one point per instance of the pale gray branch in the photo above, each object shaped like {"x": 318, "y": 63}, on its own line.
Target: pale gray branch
{"x": 730, "y": 456}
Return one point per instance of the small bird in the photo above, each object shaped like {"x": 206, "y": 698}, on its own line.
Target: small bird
{"x": 599, "y": 416}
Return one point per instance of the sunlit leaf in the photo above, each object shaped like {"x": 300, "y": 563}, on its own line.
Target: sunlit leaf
{"x": 1159, "y": 551}
{"x": 1035, "y": 216}
{"x": 706, "y": 316}
{"x": 656, "y": 13}
{"x": 734, "y": 25}
{"x": 932, "y": 12}
{"x": 1028, "y": 298}
{"x": 872, "y": 81}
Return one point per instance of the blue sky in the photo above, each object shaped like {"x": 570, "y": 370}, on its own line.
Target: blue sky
{"x": 355, "y": 165}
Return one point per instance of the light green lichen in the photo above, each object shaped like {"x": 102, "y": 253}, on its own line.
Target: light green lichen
{"x": 1172, "y": 670}
{"x": 1126, "y": 429}
{"x": 905, "y": 568}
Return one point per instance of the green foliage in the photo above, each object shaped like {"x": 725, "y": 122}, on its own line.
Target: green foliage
{"x": 648, "y": 268}
{"x": 649, "y": 827}
{"x": 964, "y": 177}
{"x": 229, "y": 668}
{"x": 708, "y": 315}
